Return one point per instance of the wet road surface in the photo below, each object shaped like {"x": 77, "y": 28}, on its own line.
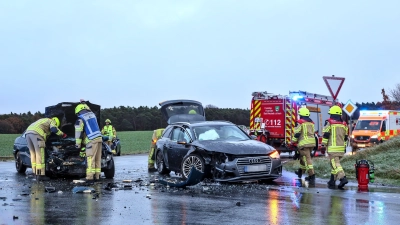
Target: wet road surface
{"x": 25, "y": 201}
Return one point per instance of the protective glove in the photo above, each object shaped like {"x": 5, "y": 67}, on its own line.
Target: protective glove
{"x": 82, "y": 153}
{"x": 64, "y": 136}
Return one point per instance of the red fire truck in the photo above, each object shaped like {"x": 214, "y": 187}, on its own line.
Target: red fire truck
{"x": 273, "y": 117}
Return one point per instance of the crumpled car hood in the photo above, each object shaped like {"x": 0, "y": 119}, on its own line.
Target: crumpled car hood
{"x": 247, "y": 147}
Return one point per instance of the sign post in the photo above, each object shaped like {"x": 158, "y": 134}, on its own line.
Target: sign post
{"x": 349, "y": 108}
{"x": 334, "y": 85}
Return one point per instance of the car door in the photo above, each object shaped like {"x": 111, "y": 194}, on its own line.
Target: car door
{"x": 176, "y": 151}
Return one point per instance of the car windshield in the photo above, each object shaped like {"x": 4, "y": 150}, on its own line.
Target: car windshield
{"x": 219, "y": 133}
{"x": 368, "y": 125}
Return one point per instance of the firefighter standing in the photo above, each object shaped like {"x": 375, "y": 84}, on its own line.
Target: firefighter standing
{"x": 36, "y": 135}
{"x": 335, "y": 139}
{"x": 304, "y": 136}
{"x": 87, "y": 132}
{"x": 156, "y": 135}
{"x": 109, "y": 130}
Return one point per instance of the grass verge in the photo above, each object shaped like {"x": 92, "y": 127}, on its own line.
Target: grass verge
{"x": 384, "y": 156}
{"x": 132, "y": 142}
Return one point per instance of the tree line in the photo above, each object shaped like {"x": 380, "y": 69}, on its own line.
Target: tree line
{"x": 126, "y": 118}
{"x": 149, "y": 118}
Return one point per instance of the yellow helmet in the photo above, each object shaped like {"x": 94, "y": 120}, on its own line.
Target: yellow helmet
{"x": 192, "y": 111}
{"x": 335, "y": 110}
{"x": 80, "y": 107}
{"x": 304, "y": 111}
{"x": 108, "y": 121}
{"x": 56, "y": 120}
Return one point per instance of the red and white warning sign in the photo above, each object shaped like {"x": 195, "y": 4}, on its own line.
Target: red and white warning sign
{"x": 334, "y": 84}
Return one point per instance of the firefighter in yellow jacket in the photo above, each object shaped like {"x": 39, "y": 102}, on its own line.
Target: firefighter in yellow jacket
{"x": 305, "y": 139}
{"x": 156, "y": 135}
{"x": 109, "y": 130}
{"x": 36, "y": 135}
{"x": 87, "y": 132}
{"x": 335, "y": 139}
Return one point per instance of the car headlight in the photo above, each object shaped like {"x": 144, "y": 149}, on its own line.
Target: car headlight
{"x": 374, "y": 136}
{"x": 275, "y": 154}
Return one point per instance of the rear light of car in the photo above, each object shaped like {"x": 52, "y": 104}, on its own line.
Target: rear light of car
{"x": 275, "y": 154}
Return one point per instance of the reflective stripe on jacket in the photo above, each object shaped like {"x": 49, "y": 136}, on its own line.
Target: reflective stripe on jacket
{"x": 91, "y": 126}
{"x": 335, "y": 136}
{"x": 43, "y": 127}
{"x": 304, "y": 134}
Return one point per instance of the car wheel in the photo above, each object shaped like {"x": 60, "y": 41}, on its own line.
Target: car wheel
{"x": 161, "y": 168}
{"x": 118, "y": 150}
{"x": 110, "y": 171}
{"x": 190, "y": 161}
{"x": 19, "y": 165}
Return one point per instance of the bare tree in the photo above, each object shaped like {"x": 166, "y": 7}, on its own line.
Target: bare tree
{"x": 395, "y": 93}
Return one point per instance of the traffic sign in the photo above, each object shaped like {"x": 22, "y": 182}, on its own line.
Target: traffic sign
{"x": 349, "y": 108}
{"x": 334, "y": 85}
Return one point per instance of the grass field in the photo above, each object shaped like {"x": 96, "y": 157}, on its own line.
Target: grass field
{"x": 132, "y": 142}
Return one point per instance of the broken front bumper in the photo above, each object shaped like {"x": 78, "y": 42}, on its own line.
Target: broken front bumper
{"x": 248, "y": 168}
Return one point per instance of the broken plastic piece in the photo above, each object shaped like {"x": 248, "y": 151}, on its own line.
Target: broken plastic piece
{"x": 50, "y": 189}
{"x": 194, "y": 178}
{"x": 82, "y": 189}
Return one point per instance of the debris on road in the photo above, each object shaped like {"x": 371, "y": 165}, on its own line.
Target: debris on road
{"x": 82, "y": 189}
{"x": 193, "y": 179}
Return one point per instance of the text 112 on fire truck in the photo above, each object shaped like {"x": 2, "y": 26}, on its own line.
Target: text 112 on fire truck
{"x": 273, "y": 117}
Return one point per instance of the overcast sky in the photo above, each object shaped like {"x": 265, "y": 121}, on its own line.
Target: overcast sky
{"x": 141, "y": 52}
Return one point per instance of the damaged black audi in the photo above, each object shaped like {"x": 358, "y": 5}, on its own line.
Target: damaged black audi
{"x": 219, "y": 149}
{"x": 62, "y": 158}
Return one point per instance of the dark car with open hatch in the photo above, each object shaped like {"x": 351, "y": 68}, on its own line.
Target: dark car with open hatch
{"x": 61, "y": 156}
{"x": 220, "y": 149}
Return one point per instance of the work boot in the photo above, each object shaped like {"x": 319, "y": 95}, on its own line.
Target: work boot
{"x": 42, "y": 178}
{"x": 88, "y": 181}
{"x": 343, "y": 182}
{"x": 299, "y": 172}
{"x": 311, "y": 180}
{"x": 151, "y": 168}
{"x": 331, "y": 182}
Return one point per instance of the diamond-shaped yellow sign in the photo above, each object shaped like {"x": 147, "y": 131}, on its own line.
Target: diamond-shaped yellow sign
{"x": 349, "y": 108}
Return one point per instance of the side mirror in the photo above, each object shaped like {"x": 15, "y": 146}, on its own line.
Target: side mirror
{"x": 254, "y": 137}
{"x": 182, "y": 142}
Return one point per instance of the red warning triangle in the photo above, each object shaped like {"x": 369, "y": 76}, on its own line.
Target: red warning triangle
{"x": 334, "y": 85}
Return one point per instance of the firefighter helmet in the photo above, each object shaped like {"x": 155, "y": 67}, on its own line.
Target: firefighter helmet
{"x": 335, "y": 110}
{"x": 304, "y": 111}
{"x": 56, "y": 120}
{"x": 192, "y": 111}
{"x": 108, "y": 121}
{"x": 80, "y": 107}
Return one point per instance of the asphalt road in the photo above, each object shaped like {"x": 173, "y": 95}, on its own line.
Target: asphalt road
{"x": 25, "y": 201}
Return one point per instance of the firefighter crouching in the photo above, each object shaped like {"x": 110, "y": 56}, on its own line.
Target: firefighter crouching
{"x": 305, "y": 139}
{"x": 87, "y": 132}
{"x": 335, "y": 139}
{"x": 36, "y": 135}
{"x": 156, "y": 135}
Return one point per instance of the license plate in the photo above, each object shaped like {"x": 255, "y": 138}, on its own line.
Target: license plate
{"x": 255, "y": 168}
{"x": 361, "y": 145}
